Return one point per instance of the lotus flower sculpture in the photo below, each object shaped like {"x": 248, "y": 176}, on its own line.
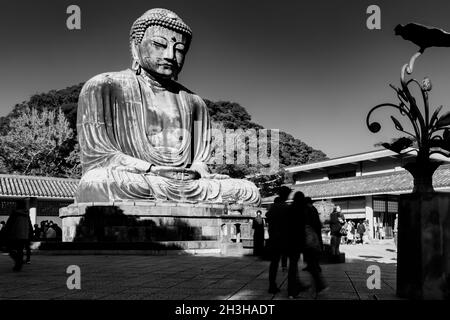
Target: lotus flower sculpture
{"x": 430, "y": 134}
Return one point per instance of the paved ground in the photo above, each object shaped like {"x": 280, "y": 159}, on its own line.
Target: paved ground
{"x": 191, "y": 277}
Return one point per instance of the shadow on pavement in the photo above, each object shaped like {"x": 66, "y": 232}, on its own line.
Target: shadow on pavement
{"x": 169, "y": 277}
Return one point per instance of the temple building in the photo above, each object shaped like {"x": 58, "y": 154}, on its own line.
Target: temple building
{"x": 366, "y": 186}
{"x": 47, "y": 195}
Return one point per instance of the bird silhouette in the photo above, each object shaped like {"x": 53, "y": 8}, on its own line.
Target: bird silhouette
{"x": 423, "y": 36}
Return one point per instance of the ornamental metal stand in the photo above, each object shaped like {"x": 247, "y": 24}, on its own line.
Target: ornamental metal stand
{"x": 423, "y": 221}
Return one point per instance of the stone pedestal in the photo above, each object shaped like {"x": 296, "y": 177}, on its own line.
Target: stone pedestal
{"x": 423, "y": 246}
{"x": 155, "y": 221}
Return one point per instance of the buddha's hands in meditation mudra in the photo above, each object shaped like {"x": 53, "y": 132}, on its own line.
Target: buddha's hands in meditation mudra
{"x": 196, "y": 171}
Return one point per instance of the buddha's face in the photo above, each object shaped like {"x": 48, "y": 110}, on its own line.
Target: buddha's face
{"x": 162, "y": 52}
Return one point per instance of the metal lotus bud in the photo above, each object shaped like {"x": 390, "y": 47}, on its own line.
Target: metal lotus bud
{"x": 426, "y": 84}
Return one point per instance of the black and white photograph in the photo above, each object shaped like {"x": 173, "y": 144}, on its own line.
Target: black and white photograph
{"x": 225, "y": 158}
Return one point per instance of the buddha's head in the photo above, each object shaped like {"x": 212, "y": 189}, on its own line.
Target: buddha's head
{"x": 159, "y": 41}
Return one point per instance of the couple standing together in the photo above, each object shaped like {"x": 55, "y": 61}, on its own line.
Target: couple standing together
{"x": 294, "y": 229}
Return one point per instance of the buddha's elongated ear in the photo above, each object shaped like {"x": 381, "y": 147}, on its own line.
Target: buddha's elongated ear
{"x": 135, "y": 66}
{"x": 134, "y": 51}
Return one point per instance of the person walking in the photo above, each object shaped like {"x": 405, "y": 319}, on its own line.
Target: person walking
{"x": 295, "y": 243}
{"x": 313, "y": 246}
{"x": 276, "y": 218}
{"x": 18, "y": 231}
{"x": 258, "y": 234}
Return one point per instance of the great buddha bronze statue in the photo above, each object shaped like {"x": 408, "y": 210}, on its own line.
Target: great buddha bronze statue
{"x": 142, "y": 135}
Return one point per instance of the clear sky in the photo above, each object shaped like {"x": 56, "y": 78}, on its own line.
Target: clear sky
{"x": 310, "y": 68}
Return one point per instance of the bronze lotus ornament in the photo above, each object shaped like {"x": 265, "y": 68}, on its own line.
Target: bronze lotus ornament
{"x": 431, "y": 133}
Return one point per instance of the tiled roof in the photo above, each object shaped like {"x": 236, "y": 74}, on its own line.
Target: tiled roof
{"x": 397, "y": 182}
{"x": 41, "y": 187}
{"x": 366, "y": 156}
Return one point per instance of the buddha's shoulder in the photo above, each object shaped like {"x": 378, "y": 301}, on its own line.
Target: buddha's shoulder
{"x": 188, "y": 93}
{"x": 110, "y": 78}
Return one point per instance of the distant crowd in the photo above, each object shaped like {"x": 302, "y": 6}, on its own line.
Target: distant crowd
{"x": 355, "y": 233}
{"x": 46, "y": 231}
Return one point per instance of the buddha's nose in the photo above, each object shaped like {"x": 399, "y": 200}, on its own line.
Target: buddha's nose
{"x": 169, "y": 53}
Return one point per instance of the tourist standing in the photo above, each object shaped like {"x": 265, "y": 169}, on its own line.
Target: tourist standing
{"x": 43, "y": 230}
{"x": 277, "y": 220}
{"x": 382, "y": 232}
{"x": 258, "y": 234}
{"x": 336, "y": 223}
{"x": 58, "y": 232}
{"x": 50, "y": 234}
{"x": 18, "y": 231}
{"x": 350, "y": 233}
{"x": 379, "y": 231}
{"x": 344, "y": 232}
{"x": 361, "y": 230}
{"x": 366, "y": 238}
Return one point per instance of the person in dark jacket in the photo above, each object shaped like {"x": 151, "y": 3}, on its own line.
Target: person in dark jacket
{"x": 311, "y": 254}
{"x": 258, "y": 234}
{"x": 18, "y": 232}
{"x": 361, "y": 229}
{"x": 295, "y": 243}
{"x": 336, "y": 222}
{"x": 276, "y": 218}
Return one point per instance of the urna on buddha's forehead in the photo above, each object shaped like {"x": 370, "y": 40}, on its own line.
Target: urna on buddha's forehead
{"x": 158, "y": 17}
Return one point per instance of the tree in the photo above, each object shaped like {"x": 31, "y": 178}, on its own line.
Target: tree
{"x": 231, "y": 115}
{"x": 3, "y": 169}
{"x": 38, "y": 143}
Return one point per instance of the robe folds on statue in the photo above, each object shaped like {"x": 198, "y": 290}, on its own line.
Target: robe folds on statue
{"x": 123, "y": 130}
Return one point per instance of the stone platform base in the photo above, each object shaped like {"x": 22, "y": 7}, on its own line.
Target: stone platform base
{"x": 129, "y": 248}
{"x": 423, "y": 265}
{"x": 156, "y": 222}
